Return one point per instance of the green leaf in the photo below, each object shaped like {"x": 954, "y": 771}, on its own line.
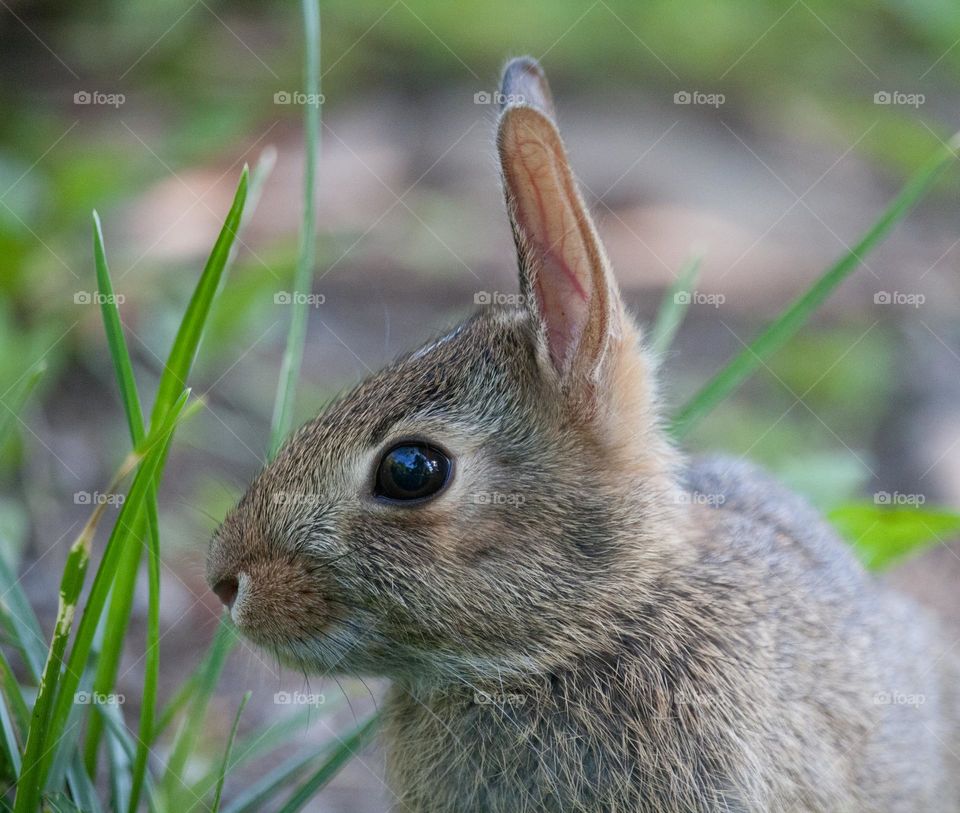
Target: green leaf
{"x": 175, "y": 372}
{"x": 9, "y": 412}
{"x": 882, "y": 535}
{"x": 339, "y": 756}
{"x": 255, "y": 797}
{"x": 674, "y": 306}
{"x": 49, "y": 717}
{"x": 799, "y": 311}
{"x": 113, "y": 327}
{"x": 186, "y": 740}
{"x": 225, "y": 766}
{"x": 20, "y": 621}
{"x": 303, "y": 276}
{"x": 14, "y": 714}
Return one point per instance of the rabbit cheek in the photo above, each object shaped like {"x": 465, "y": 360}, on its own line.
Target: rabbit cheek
{"x": 279, "y": 601}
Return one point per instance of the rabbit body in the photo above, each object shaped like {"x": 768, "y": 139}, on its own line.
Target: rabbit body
{"x": 767, "y": 673}
{"x": 574, "y": 619}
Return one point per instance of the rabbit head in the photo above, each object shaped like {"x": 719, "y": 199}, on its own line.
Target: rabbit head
{"x": 490, "y": 503}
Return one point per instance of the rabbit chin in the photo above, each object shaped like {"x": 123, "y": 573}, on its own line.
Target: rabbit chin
{"x": 355, "y": 647}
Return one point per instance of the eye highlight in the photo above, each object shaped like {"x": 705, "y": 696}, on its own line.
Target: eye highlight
{"x": 412, "y": 471}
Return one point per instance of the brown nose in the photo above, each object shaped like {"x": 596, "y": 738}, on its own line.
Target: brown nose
{"x": 227, "y": 589}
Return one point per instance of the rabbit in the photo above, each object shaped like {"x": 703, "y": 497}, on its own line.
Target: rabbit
{"x": 572, "y": 615}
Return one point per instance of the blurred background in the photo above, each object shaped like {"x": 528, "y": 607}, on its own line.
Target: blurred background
{"x": 764, "y": 136}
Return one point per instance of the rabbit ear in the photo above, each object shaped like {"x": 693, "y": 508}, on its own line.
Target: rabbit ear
{"x": 564, "y": 274}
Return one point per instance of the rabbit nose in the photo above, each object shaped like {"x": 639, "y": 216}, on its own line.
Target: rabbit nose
{"x": 226, "y": 589}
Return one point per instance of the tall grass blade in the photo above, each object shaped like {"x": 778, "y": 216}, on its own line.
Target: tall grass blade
{"x": 49, "y": 718}
{"x": 175, "y": 373}
{"x": 225, "y": 766}
{"x": 296, "y": 338}
{"x": 10, "y": 412}
{"x": 674, "y": 306}
{"x": 173, "y": 786}
{"x": 796, "y": 314}
{"x": 20, "y": 621}
{"x": 345, "y": 750}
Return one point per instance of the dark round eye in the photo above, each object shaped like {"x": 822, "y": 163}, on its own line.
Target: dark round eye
{"x": 412, "y": 471}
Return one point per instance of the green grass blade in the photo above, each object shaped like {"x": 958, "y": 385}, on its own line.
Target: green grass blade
{"x": 10, "y": 412}
{"x": 120, "y": 756}
{"x": 296, "y": 338}
{"x": 185, "y": 345}
{"x": 49, "y": 717}
{"x": 175, "y": 372}
{"x": 120, "y": 745}
{"x": 345, "y": 750}
{"x": 113, "y": 327}
{"x": 185, "y": 743}
{"x": 258, "y": 795}
{"x": 31, "y": 775}
{"x": 14, "y": 714}
{"x": 226, "y": 754}
{"x": 175, "y": 705}
{"x": 674, "y": 306}
{"x": 21, "y": 622}
{"x": 81, "y": 788}
{"x": 796, "y": 314}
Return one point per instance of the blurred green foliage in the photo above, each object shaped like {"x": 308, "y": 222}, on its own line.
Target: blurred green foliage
{"x": 201, "y": 78}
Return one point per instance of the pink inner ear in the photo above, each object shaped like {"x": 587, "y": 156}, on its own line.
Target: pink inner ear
{"x": 563, "y": 286}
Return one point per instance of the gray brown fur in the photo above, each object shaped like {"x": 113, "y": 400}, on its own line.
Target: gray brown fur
{"x": 623, "y": 631}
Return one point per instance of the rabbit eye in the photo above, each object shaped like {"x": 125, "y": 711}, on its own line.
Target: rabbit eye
{"x": 412, "y": 471}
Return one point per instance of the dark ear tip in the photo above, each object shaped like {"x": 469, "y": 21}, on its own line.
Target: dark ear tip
{"x": 525, "y": 83}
